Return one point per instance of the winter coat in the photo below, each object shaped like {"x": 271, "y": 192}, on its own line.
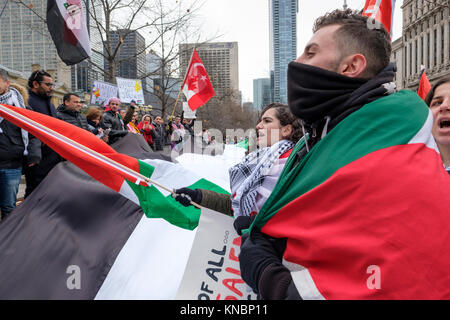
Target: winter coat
{"x": 160, "y": 135}
{"x": 148, "y": 133}
{"x": 50, "y": 158}
{"x": 112, "y": 121}
{"x": 72, "y": 117}
{"x": 12, "y": 147}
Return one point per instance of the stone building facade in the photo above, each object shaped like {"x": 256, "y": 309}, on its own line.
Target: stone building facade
{"x": 425, "y": 42}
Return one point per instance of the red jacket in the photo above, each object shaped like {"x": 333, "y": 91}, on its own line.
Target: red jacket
{"x": 148, "y": 133}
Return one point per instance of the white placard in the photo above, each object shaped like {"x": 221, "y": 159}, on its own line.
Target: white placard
{"x": 188, "y": 113}
{"x": 102, "y": 91}
{"x": 212, "y": 271}
{"x": 130, "y": 89}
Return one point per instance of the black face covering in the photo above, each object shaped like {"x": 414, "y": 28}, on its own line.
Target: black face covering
{"x": 315, "y": 93}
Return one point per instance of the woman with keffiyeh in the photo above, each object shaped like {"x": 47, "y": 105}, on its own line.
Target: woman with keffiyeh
{"x": 253, "y": 179}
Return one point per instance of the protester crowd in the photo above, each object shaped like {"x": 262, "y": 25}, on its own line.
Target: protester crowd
{"x": 21, "y": 153}
{"x": 343, "y": 68}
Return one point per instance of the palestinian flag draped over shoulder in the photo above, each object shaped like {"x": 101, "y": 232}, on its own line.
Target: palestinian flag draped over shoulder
{"x": 66, "y": 22}
{"x": 366, "y": 211}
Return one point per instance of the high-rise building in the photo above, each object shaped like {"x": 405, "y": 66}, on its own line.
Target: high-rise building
{"x": 131, "y": 62}
{"x": 160, "y": 75}
{"x": 25, "y": 40}
{"x": 221, "y": 62}
{"x": 425, "y": 42}
{"x": 283, "y": 44}
{"x": 261, "y": 93}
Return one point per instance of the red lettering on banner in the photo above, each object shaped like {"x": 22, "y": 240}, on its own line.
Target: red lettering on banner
{"x": 226, "y": 298}
{"x": 232, "y": 270}
{"x": 232, "y": 286}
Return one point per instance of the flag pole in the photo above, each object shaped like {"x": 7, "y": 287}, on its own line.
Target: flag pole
{"x": 176, "y": 101}
{"x": 89, "y": 151}
{"x": 181, "y": 89}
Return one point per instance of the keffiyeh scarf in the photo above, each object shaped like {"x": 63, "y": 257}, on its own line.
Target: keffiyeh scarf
{"x": 14, "y": 98}
{"x": 247, "y": 176}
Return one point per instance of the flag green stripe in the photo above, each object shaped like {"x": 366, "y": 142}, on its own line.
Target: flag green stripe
{"x": 156, "y": 205}
{"x": 386, "y": 122}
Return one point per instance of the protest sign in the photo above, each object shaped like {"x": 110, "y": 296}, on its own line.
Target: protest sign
{"x": 188, "y": 113}
{"x": 130, "y": 89}
{"x": 102, "y": 91}
{"x": 212, "y": 271}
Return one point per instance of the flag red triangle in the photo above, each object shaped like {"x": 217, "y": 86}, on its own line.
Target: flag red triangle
{"x": 424, "y": 86}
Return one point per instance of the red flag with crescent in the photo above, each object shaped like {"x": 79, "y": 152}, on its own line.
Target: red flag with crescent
{"x": 196, "y": 86}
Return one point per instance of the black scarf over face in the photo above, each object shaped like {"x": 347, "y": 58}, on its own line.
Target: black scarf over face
{"x": 315, "y": 93}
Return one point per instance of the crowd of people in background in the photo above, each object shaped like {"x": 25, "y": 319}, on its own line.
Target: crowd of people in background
{"x": 22, "y": 154}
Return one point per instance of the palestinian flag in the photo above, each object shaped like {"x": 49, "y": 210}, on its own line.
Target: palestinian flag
{"x": 365, "y": 212}
{"x": 124, "y": 174}
{"x": 66, "y": 23}
{"x": 74, "y": 238}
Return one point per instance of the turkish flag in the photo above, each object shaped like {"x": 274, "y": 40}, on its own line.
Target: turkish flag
{"x": 381, "y": 11}
{"x": 424, "y": 85}
{"x": 196, "y": 86}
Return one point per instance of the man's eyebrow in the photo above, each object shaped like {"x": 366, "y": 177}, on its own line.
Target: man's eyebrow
{"x": 310, "y": 46}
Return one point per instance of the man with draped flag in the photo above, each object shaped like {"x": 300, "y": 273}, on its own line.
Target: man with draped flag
{"x": 360, "y": 210}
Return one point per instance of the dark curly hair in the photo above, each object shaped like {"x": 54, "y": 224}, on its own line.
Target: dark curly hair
{"x": 359, "y": 34}
{"x": 285, "y": 116}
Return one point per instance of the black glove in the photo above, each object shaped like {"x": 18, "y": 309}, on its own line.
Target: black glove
{"x": 186, "y": 195}
{"x": 243, "y": 222}
{"x": 257, "y": 252}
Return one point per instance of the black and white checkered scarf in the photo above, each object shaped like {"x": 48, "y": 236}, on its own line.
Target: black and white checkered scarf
{"x": 247, "y": 176}
{"x": 14, "y": 98}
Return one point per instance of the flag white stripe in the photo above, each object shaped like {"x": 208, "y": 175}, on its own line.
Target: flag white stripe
{"x": 424, "y": 135}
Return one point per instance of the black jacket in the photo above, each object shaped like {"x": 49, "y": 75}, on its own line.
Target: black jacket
{"x": 160, "y": 135}
{"x": 72, "y": 117}
{"x": 12, "y": 147}
{"x": 50, "y": 158}
{"x": 41, "y": 104}
{"x": 111, "y": 120}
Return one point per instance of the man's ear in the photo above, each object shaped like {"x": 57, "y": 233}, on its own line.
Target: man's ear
{"x": 353, "y": 66}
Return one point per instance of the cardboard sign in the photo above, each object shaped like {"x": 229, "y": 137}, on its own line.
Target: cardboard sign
{"x": 212, "y": 271}
{"x": 102, "y": 91}
{"x": 130, "y": 89}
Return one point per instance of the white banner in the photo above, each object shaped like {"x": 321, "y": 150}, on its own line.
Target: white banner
{"x": 188, "y": 113}
{"x": 102, "y": 91}
{"x": 212, "y": 271}
{"x": 130, "y": 89}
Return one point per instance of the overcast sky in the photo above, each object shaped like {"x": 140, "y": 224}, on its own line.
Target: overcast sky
{"x": 247, "y": 22}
